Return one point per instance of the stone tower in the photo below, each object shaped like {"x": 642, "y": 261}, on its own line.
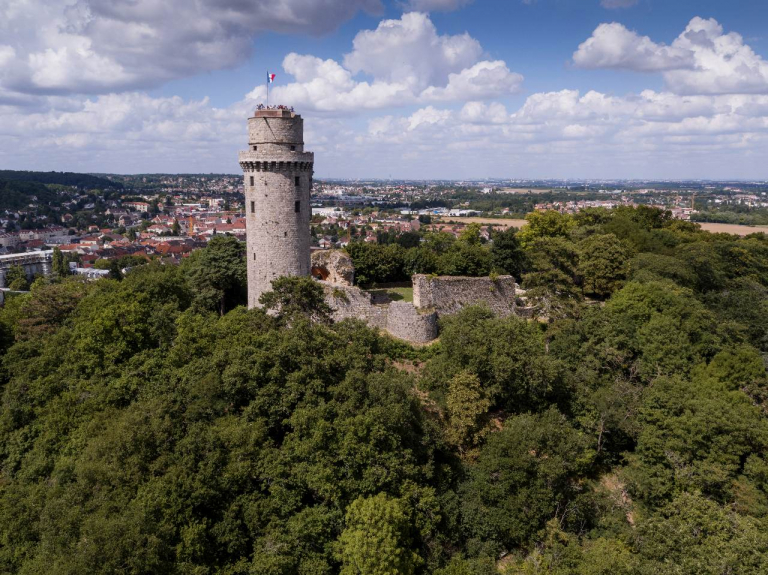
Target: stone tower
{"x": 278, "y": 180}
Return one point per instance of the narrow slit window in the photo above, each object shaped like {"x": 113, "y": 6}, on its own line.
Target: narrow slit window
{"x": 297, "y": 180}
{"x": 254, "y": 256}
{"x": 251, "y": 180}
{"x": 297, "y": 206}
{"x": 255, "y": 148}
{"x": 253, "y": 207}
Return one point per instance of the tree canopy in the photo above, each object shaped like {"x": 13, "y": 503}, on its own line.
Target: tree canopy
{"x": 155, "y": 425}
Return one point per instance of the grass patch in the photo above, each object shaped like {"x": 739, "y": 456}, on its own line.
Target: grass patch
{"x": 395, "y": 293}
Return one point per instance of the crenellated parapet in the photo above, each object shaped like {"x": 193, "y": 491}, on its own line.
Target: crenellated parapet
{"x": 254, "y": 162}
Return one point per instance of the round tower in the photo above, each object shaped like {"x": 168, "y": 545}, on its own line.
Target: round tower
{"x": 278, "y": 180}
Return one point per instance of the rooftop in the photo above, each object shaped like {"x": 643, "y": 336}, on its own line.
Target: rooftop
{"x": 274, "y": 111}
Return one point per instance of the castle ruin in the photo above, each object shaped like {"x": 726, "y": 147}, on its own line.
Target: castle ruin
{"x": 278, "y": 180}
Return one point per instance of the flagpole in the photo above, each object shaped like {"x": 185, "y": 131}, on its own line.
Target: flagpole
{"x": 267, "y": 87}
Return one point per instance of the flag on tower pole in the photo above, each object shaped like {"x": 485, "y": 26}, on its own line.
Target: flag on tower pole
{"x": 270, "y": 79}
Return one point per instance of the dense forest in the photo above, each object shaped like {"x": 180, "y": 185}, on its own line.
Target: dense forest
{"x": 734, "y": 214}
{"x": 84, "y": 181}
{"x": 18, "y": 195}
{"x": 152, "y": 424}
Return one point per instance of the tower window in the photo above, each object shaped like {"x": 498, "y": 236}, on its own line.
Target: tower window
{"x": 297, "y": 206}
{"x": 253, "y": 207}
{"x": 251, "y": 180}
{"x": 293, "y": 148}
{"x": 254, "y": 256}
{"x": 297, "y": 180}
{"x": 255, "y": 148}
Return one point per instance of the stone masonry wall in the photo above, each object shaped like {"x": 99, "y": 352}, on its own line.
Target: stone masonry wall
{"x": 348, "y": 302}
{"x": 448, "y": 294}
{"x": 406, "y": 322}
{"x": 399, "y": 318}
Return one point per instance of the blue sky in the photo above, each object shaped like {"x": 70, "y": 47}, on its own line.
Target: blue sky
{"x": 416, "y": 89}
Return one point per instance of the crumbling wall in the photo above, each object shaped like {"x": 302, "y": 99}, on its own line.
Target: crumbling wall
{"x": 406, "y": 322}
{"x": 432, "y": 297}
{"x": 348, "y": 302}
{"x": 448, "y": 294}
{"x": 399, "y": 318}
{"x": 333, "y": 266}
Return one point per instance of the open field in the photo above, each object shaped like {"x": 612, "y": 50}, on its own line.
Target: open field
{"x": 395, "y": 293}
{"x": 524, "y": 191}
{"x": 504, "y": 222}
{"x": 735, "y": 229}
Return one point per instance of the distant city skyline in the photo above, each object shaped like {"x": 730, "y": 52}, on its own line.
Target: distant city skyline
{"x": 417, "y": 89}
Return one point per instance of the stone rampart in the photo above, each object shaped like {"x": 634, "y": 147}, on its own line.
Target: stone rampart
{"x": 333, "y": 266}
{"x": 406, "y": 322}
{"x": 348, "y": 302}
{"x": 448, "y": 294}
{"x": 400, "y": 319}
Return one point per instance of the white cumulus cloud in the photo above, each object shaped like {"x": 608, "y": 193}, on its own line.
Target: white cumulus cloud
{"x": 614, "y": 46}
{"x": 407, "y": 62}
{"x": 99, "y": 46}
{"x": 702, "y": 60}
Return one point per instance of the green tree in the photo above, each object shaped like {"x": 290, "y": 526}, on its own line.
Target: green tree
{"x": 523, "y": 477}
{"x": 466, "y": 405}
{"x": 376, "y": 539}
{"x": 695, "y": 436}
{"x": 375, "y": 263}
{"x": 176, "y": 227}
{"x": 59, "y": 265}
{"x": 471, "y": 234}
{"x": 694, "y": 535}
{"x": 553, "y": 272}
{"x": 602, "y": 265}
{"x": 115, "y": 272}
{"x": 507, "y": 355}
{"x": 507, "y": 253}
{"x": 217, "y": 274}
{"x": 549, "y": 224}
{"x": 465, "y": 259}
{"x": 16, "y": 278}
{"x": 295, "y": 297}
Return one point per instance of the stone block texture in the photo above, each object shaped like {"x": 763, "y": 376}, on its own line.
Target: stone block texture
{"x": 449, "y": 294}
{"x": 406, "y": 322}
{"x": 334, "y": 266}
{"x": 278, "y": 180}
{"x": 398, "y": 318}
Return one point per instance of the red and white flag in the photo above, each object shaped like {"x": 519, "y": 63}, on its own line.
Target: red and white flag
{"x": 270, "y": 78}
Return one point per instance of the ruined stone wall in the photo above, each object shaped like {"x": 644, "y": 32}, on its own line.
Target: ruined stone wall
{"x": 348, "y": 302}
{"x": 333, "y": 266}
{"x": 448, "y": 294}
{"x": 401, "y": 319}
{"x": 406, "y": 322}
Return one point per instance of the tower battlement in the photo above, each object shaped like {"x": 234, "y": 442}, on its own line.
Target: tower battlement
{"x": 278, "y": 180}
{"x": 274, "y": 113}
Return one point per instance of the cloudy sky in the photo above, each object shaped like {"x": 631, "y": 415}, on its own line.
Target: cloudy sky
{"x": 400, "y": 88}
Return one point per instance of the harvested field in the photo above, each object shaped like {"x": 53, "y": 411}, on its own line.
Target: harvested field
{"x": 734, "y": 229}
{"x": 504, "y": 222}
